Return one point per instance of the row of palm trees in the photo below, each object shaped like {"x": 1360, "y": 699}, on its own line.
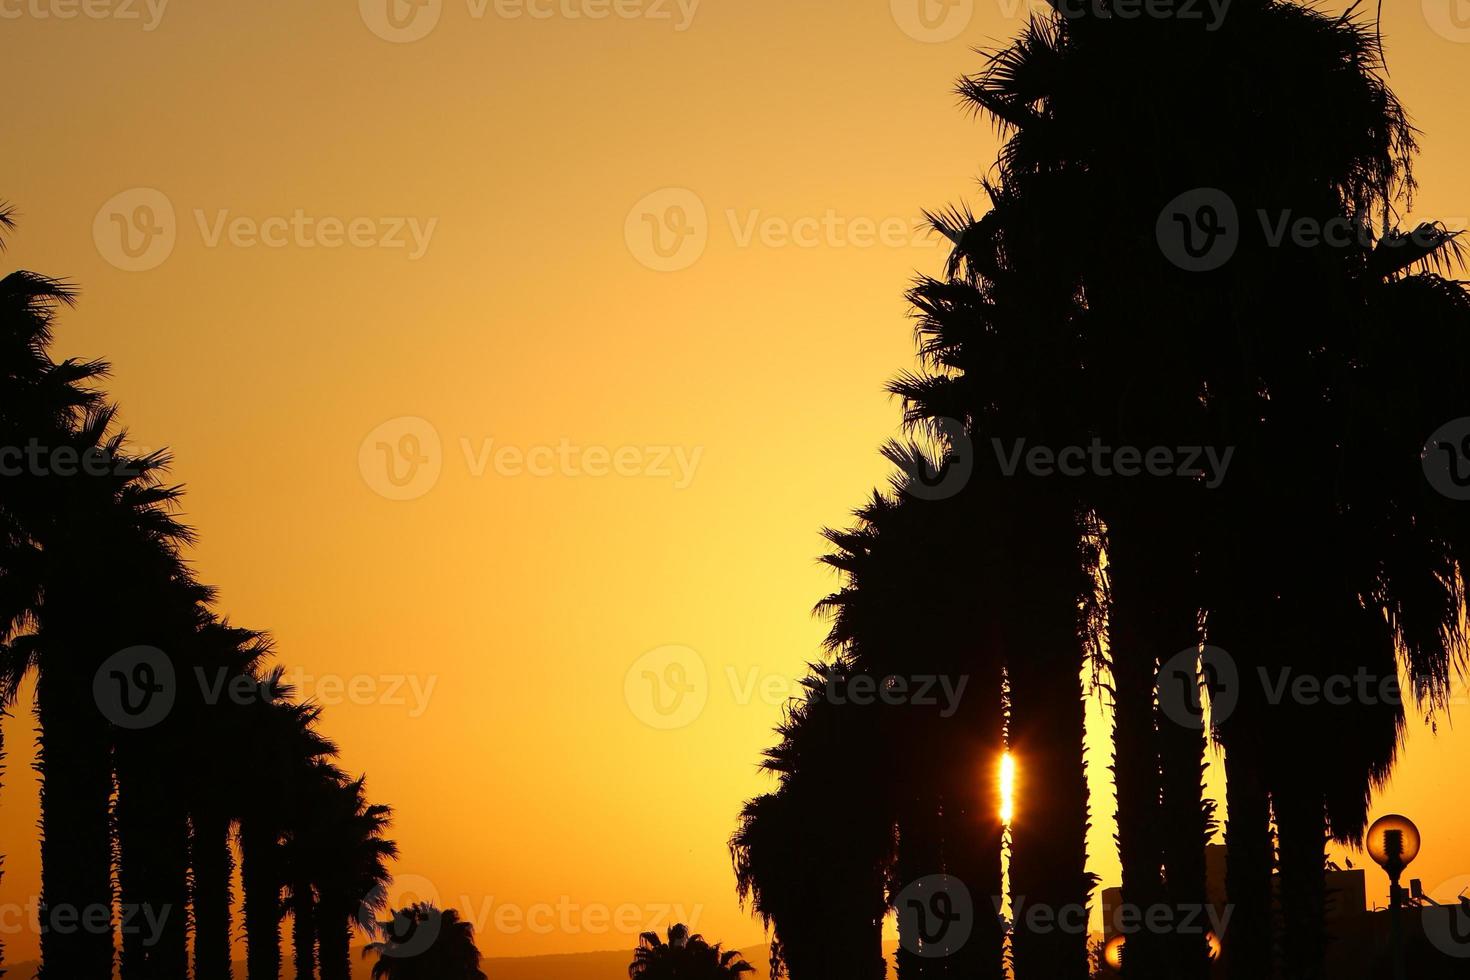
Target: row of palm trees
{"x": 141, "y": 821}
{"x": 1060, "y": 321}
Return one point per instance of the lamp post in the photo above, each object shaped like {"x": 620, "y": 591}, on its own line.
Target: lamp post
{"x": 1393, "y": 842}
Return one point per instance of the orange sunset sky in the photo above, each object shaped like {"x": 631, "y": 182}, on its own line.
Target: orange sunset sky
{"x": 472, "y": 643}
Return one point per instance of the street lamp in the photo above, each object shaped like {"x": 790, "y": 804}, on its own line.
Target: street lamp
{"x": 1393, "y": 841}
{"x": 1113, "y": 953}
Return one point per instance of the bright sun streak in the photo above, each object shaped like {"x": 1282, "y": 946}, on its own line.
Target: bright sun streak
{"x": 1007, "y": 788}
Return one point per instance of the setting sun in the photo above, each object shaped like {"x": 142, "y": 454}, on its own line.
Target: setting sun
{"x": 1007, "y": 788}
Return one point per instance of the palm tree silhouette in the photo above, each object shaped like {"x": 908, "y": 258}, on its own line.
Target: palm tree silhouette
{"x": 812, "y": 858}
{"x": 1176, "y": 359}
{"x": 285, "y": 752}
{"x": 163, "y": 607}
{"x": 308, "y": 829}
{"x": 912, "y": 568}
{"x": 136, "y": 760}
{"x": 345, "y": 855}
{"x": 999, "y": 341}
{"x": 422, "y": 943}
{"x": 45, "y": 401}
{"x": 236, "y": 655}
{"x": 83, "y": 616}
{"x": 684, "y": 957}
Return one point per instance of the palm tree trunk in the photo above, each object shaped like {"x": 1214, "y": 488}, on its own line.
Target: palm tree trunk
{"x": 75, "y": 764}
{"x": 919, "y": 855}
{"x": 261, "y": 879}
{"x": 972, "y": 823}
{"x": 153, "y": 858}
{"x": 1248, "y": 860}
{"x": 335, "y": 937}
{"x": 212, "y": 864}
{"x": 3, "y": 715}
{"x": 1164, "y": 823}
{"x": 972, "y": 846}
{"x": 1049, "y": 880}
{"x": 1188, "y": 826}
{"x": 170, "y": 956}
{"x": 1132, "y": 646}
{"x": 303, "y": 929}
{"x": 131, "y": 817}
{"x": 1302, "y": 825}
{"x": 1050, "y": 886}
{"x": 852, "y": 947}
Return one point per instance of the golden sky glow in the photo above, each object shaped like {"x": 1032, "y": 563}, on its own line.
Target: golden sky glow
{"x": 476, "y": 645}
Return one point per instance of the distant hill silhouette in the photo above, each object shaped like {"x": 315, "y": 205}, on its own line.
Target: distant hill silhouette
{"x": 609, "y": 965}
